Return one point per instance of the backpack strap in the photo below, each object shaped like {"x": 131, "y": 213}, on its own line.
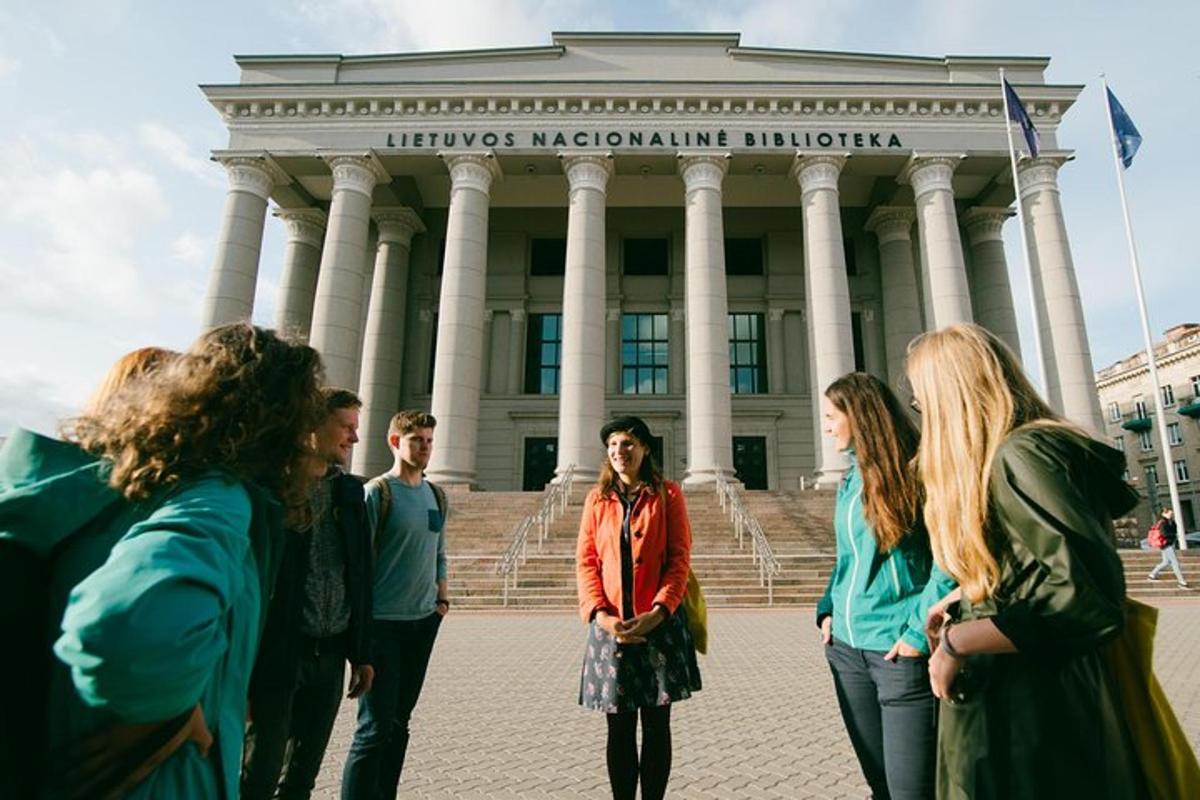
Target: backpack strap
{"x": 380, "y": 483}
{"x": 439, "y": 494}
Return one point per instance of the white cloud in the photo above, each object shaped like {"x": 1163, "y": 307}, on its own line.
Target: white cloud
{"x": 8, "y": 67}
{"x": 174, "y": 149}
{"x": 191, "y": 249}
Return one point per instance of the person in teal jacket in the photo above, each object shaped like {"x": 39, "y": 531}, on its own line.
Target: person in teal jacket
{"x": 161, "y": 523}
{"x": 872, "y": 615}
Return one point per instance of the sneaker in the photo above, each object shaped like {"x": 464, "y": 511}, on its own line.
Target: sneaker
{"x": 1151, "y": 577}
{"x": 1183, "y": 584}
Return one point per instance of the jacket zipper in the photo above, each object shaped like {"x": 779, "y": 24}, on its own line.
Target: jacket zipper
{"x": 895, "y": 575}
{"x": 854, "y": 573}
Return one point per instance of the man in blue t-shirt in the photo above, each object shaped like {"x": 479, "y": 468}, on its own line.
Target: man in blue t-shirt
{"x": 407, "y": 516}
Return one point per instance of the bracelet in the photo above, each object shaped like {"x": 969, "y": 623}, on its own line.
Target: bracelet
{"x": 948, "y": 646}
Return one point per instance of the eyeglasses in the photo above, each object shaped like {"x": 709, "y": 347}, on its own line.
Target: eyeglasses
{"x": 914, "y": 405}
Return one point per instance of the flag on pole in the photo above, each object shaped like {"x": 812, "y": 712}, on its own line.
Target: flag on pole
{"x": 1124, "y": 131}
{"x": 1017, "y": 114}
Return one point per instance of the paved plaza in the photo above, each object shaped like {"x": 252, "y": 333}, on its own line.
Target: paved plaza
{"x": 498, "y": 717}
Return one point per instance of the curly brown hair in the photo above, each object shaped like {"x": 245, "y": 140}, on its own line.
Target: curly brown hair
{"x": 242, "y": 400}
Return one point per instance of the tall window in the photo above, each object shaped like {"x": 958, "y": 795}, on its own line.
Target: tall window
{"x": 1151, "y": 473}
{"x": 1196, "y": 386}
{"x": 547, "y": 256}
{"x": 1119, "y": 443}
{"x": 1181, "y": 471}
{"x": 743, "y": 257}
{"x": 644, "y": 354}
{"x": 851, "y": 257}
{"x": 1168, "y": 395}
{"x": 856, "y": 335}
{"x": 1144, "y": 440}
{"x": 432, "y": 350}
{"x": 1114, "y": 412}
{"x": 1139, "y": 407}
{"x": 1174, "y": 433}
{"x": 645, "y": 256}
{"x": 543, "y": 354}
{"x": 747, "y": 354}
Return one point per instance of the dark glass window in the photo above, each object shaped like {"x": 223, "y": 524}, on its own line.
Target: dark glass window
{"x": 432, "y": 350}
{"x": 644, "y": 354}
{"x": 645, "y": 256}
{"x": 747, "y": 354}
{"x": 441, "y": 258}
{"x": 743, "y": 257}
{"x": 851, "y": 257}
{"x": 543, "y": 354}
{"x": 856, "y": 330}
{"x": 547, "y": 256}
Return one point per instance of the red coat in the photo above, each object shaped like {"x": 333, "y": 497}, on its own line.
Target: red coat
{"x": 661, "y": 544}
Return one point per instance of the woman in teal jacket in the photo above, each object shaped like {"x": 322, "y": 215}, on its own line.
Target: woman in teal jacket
{"x": 872, "y": 615}
{"x": 160, "y": 524}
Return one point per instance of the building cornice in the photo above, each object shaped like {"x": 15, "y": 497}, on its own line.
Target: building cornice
{"x": 1125, "y": 371}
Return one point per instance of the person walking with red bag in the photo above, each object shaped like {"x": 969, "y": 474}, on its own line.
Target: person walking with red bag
{"x": 1164, "y": 535}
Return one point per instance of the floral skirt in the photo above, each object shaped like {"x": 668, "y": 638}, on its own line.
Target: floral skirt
{"x": 624, "y": 677}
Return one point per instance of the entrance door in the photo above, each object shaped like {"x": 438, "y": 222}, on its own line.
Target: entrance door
{"x": 541, "y": 457}
{"x": 750, "y": 461}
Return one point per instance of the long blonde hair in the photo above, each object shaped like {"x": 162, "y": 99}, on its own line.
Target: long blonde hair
{"x": 972, "y": 393}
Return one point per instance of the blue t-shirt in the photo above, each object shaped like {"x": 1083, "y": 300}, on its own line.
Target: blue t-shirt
{"x": 410, "y": 551}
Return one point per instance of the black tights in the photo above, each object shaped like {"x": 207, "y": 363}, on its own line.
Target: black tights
{"x": 655, "y": 764}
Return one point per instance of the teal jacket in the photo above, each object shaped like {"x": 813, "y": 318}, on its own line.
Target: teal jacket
{"x": 876, "y": 598}
{"x": 155, "y": 606}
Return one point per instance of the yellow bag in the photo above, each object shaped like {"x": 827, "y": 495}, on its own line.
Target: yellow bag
{"x": 1162, "y": 748}
{"x": 697, "y": 613}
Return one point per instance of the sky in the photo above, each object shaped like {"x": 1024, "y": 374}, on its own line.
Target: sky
{"x": 111, "y": 206}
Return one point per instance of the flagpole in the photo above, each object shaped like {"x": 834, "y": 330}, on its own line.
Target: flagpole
{"x": 1164, "y": 441}
{"x": 1037, "y": 328}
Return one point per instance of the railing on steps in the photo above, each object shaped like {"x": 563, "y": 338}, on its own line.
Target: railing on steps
{"x": 762, "y": 556}
{"x": 554, "y": 504}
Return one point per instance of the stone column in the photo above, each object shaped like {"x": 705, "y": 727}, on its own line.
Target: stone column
{"x": 1071, "y": 382}
{"x": 776, "y": 343}
{"x": 710, "y": 419}
{"x": 231, "y": 284}
{"x": 827, "y": 295}
{"x": 458, "y": 366}
{"x": 517, "y": 324}
{"x": 581, "y": 384}
{"x": 613, "y": 353}
{"x": 301, "y": 258}
{"x": 941, "y": 246}
{"x": 892, "y": 225}
{"x": 383, "y": 339}
{"x": 991, "y": 291}
{"x": 677, "y": 352}
{"x": 337, "y": 313}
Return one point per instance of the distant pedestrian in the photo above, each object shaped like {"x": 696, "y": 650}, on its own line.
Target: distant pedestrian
{"x": 159, "y": 526}
{"x": 632, "y": 562}
{"x": 407, "y": 519}
{"x": 1019, "y": 505}
{"x": 319, "y": 619}
{"x": 1164, "y": 535}
{"x": 872, "y": 615}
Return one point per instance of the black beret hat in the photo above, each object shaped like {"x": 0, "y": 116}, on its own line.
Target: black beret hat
{"x": 627, "y": 424}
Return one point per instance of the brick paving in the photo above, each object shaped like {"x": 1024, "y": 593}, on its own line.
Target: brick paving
{"x": 498, "y": 717}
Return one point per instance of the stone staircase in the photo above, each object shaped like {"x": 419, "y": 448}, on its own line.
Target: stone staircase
{"x": 797, "y": 524}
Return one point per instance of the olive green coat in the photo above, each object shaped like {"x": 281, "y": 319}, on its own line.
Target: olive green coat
{"x": 1045, "y": 722}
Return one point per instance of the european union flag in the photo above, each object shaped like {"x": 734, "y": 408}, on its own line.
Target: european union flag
{"x": 1017, "y": 114}
{"x": 1125, "y": 133}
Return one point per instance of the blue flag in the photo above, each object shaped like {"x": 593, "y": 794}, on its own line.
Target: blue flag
{"x": 1125, "y": 133}
{"x": 1017, "y": 114}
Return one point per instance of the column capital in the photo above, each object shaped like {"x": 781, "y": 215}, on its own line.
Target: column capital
{"x": 701, "y": 170}
{"x": 613, "y": 315}
{"x": 471, "y": 170}
{"x": 397, "y": 224}
{"x": 304, "y": 225}
{"x": 517, "y": 314}
{"x": 815, "y": 171}
{"x": 892, "y": 223}
{"x": 587, "y": 169}
{"x": 930, "y": 172}
{"x": 1039, "y": 174}
{"x": 488, "y": 316}
{"x": 678, "y": 314}
{"x": 983, "y": 223}
{"x": 776, "y": 314}
{"x": 356, "y": 172}
{"x": 255, "y": 174}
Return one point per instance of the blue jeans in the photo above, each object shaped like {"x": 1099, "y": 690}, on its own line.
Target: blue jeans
{"x": 1169, "y": 559}
{"x": 891, "y": 716}
{"x": 400, "y": 652}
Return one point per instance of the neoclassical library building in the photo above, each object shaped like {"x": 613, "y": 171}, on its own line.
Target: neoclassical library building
{"x": 526, "y": 241}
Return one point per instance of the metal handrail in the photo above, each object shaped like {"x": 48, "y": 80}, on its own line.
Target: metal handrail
{"x": 554, "y": 504}
{"x": 730, "y": 497}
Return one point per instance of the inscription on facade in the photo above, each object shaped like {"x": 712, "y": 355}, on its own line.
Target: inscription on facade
{"x": 649, "y": 139}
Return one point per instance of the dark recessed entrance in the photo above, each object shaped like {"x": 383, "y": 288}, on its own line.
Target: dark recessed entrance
{"x": 541, "y": 457}
{"x": 750, "y": 461}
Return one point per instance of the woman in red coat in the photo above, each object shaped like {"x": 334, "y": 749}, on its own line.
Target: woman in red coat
{"x": 631, "y": 564}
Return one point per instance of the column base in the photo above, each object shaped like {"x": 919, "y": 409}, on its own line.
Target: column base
{"x": 456, "y": 479}
{"x": 708, "y": 475}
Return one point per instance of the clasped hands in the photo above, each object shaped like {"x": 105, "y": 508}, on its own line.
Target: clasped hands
{"x": 633, "y": 630}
